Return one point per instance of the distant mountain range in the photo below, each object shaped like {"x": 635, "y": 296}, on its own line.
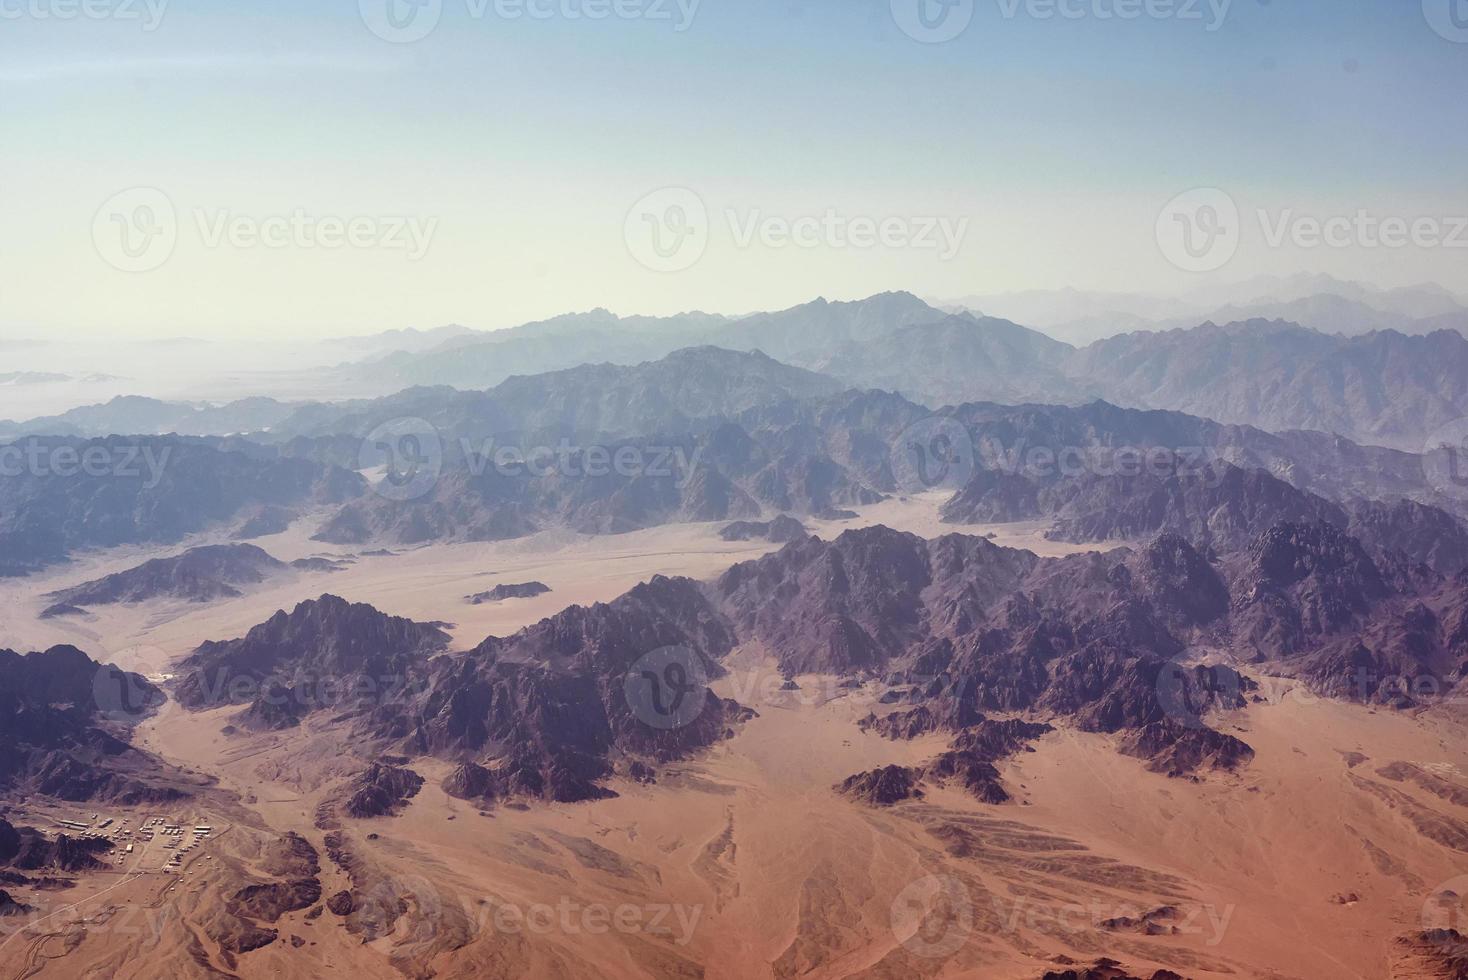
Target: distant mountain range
{"x": 1380, "y": 367}
{"x": 1320, "y": 302}
{"x": 143, "y": 491}
{"x": 708, "y": 434}
{"x": 953, "y": 628}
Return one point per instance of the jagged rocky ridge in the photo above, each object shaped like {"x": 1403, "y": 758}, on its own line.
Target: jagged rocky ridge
{"x": 27, "y": 849}
{"x": 1216, "y": 505}
{"x": 786, "y": 449}
{"x": 326, "y": 653}
{"x": 64, "y": 727}
{"x": 506, "y": 590}
{"x": 198, "y": 575}
{"x": 984, "y": 644}
{"x": 154, "y": 490}
{"x": 781, "y": 530}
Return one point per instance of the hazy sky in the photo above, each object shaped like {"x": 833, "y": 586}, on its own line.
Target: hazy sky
{"x": 277, "y": 168}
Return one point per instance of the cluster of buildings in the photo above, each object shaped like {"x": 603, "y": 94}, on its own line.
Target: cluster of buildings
{"x": 176, "y": 837}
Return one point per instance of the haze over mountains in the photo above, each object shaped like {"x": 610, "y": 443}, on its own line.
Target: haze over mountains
{"x": 1308, "y": 353}
{"x": 1206, "y": 517}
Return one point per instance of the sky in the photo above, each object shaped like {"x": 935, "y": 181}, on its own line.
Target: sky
{"x": 285, "y": 169}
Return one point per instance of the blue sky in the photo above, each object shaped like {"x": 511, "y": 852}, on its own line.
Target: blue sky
{"x": 524, "y": 143}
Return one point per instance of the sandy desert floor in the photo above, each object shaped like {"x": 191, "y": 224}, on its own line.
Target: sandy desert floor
{"x": 1345, "y": 831}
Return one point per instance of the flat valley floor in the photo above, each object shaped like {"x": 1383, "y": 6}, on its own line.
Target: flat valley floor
{"x": 1349, "y": 827}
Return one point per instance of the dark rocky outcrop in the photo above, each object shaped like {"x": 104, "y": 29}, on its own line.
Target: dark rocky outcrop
{"x": 540, "y": 713}
{"x": 381, "y": 791}
{"x": 27, "y": 849}
{"x": 243, "y": 924}
{"x": 470, "y": 782}
{"x": 198, "y": 575}
{"x": 970, "y": 759}
{"x": 156, "y": 490}
{"x": 1108, "y": 969}
{"x": 781, "y": 530}
{"x": 64, "y": 727}
{"x": 882, "y": 787}
{"x": 326, "y": 653}
{"x": 9, "y": 907}
{"x": 265, "y": 521}
{"x": 1300, "y": 583}
{"x": 503, "y": 591}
